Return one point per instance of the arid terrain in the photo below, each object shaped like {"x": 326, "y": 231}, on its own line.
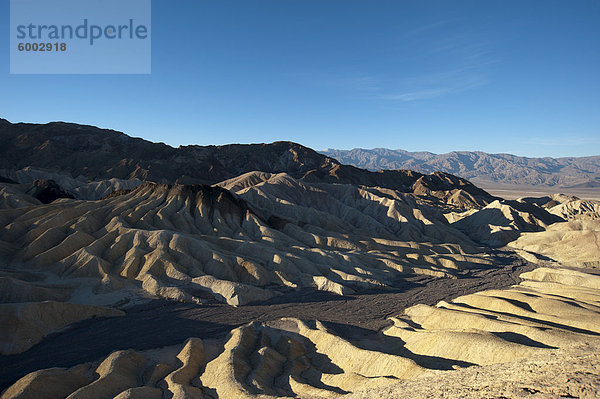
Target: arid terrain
{"x": 574, "y": 174}
{"x": 131, "y": 269}
{"x": 516, "y": 191}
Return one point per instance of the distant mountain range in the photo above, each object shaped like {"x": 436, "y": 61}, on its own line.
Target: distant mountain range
{"x": 480, "y": 167}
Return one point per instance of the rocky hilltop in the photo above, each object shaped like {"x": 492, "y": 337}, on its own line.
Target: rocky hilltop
{"x": 100, "y": 154}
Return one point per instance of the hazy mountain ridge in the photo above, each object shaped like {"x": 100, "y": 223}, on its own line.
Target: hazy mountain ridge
{"x": 480, "y": 166}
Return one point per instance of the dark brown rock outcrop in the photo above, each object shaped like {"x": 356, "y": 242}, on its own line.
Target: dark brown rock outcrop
{"x": 100, "y": 154}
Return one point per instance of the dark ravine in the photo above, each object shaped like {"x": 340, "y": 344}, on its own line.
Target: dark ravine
{"x": 162, "y": 323}
{"x": 47, "y": 191}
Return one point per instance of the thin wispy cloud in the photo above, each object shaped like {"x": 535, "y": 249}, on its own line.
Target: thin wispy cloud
{"x": 459, "y": 63}
{"x": 425, "y": 28}
{"x": 456, "y": 62}
{"x": 416, "y": 95}
{"x": 360, "y": 82}
{"x": 436, "y": 85}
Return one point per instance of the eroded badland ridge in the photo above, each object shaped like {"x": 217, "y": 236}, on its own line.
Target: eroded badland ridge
{"x": 133, "y": 269}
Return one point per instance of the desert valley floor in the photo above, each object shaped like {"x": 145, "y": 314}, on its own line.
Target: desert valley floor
{"x": 131, "y": 269}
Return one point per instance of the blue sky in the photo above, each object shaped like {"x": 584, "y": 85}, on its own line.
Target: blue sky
{"x": 499, "y": 76}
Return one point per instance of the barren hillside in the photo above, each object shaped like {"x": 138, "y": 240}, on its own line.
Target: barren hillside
{"x": 130, "y": 269}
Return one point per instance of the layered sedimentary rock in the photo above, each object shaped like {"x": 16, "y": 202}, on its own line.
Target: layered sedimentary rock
{"x": 65, "y": 186}
{"x": 577, "y": 209}
{"x": 501, "y": 222}
{"x": 576, "y": 243}
{"x": 266, "y": 225}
